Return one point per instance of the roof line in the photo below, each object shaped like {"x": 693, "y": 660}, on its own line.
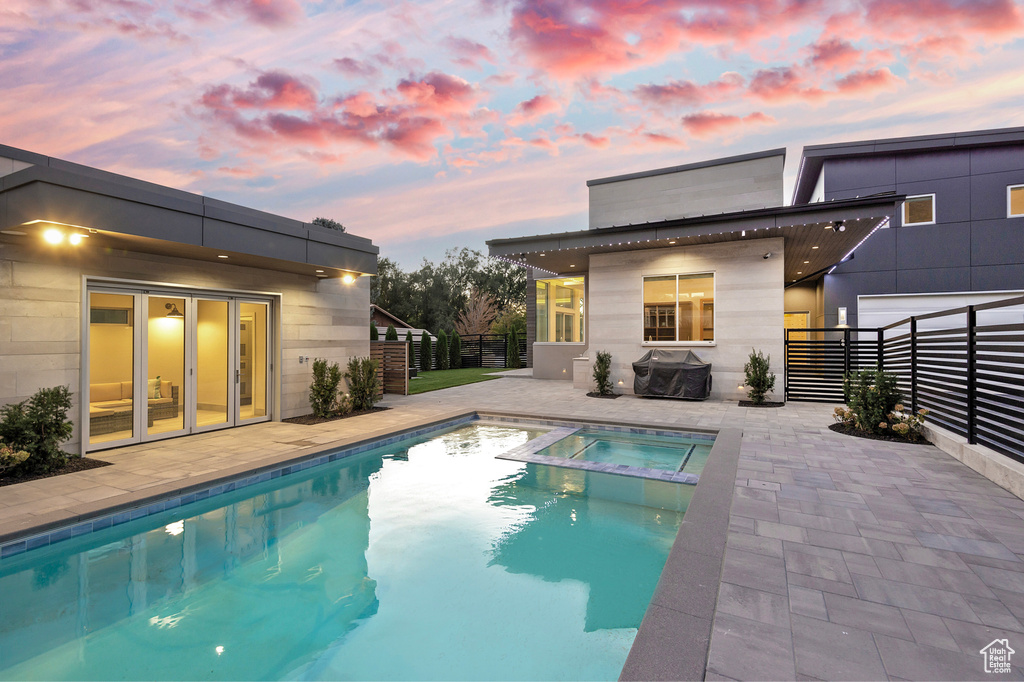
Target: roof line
{"x": 781, "y": 151}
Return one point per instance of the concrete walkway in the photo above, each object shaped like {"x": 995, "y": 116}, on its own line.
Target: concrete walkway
{"x": 846, "y": 558}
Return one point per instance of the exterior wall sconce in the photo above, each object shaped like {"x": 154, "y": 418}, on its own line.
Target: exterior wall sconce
{"x": 347, "y": 278}
{"x": 174, "y": 310}
{"x": 842, "y": 317}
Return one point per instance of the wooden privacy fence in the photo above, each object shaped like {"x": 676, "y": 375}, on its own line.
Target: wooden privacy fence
{"x": 392, "y": 365}
{"x": 965, "y": 366}
{"x": 478, "y": 350}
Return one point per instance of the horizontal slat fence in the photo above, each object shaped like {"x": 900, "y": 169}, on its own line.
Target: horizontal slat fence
{"x": 478, "y": 350}
{"x": 965, "y": 366}
{"x": 393, "y": 365}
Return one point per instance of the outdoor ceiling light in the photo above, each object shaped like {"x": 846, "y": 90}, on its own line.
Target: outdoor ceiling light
{"x": 222, "y": 256}
{"x": 53, "y": 236}
{"x": 174, "y": 310}
{"x": 74, "y": 239}
{"x": 347, "y": 278}
{"x": 767, "y": 255}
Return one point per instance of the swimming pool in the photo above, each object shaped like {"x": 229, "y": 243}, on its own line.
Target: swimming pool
{"x": 429, "y": 559}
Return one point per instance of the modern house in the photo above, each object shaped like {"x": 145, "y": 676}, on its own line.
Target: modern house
{"x": 705, "y": 255}
{"x": 167, "y": 313}
{"x": 693, "y": 256}
{"x": 957, "y": 239}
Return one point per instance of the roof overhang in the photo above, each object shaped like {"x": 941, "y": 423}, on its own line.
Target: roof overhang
{"x": 817, "y": 236}
{"x": 131, "y": 215}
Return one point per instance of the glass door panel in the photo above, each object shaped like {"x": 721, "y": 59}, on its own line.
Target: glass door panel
{"x": 165, "y": 361}
{"x": 213, "y": 366}
{"x": 111, "y": 366}
{"x": 252, "y": 360}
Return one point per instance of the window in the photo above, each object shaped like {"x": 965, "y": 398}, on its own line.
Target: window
{"x": 1015, "y": 201}
{"x": 560, "y": 310}
{"x": 679, "y": 308}
{"x": 919, "y": 210}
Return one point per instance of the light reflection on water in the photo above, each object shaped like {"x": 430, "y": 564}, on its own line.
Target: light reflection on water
{"x": 426, "y": 560}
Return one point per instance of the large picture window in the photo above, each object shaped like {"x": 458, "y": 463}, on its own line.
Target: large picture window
{"x": 679, "y": 308}
{"x": 560, "y": 310}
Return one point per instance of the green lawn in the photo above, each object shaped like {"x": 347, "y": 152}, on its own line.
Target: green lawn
{"x": 446, "y": 378}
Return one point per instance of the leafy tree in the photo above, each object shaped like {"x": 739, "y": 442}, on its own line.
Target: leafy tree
{"x": 426, "y": 352}
{"x": 373, "y": 331}
{"x": 391, "y": 334}
{"x": 510, "y": 319}
{"x": 328, "y": 223}
{"x": 442, "y": 359}
{"x": 455, "y": 351}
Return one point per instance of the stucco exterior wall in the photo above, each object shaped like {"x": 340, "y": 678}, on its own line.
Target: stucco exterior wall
{"x": 749, "y": 307}
{"x": 41, "y": 303}
{"x": 751, "y": 184}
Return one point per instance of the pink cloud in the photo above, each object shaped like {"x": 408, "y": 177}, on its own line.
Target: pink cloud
{"x": 269, "y": 13}
{"x": 706, "y": 124}
{"x": 270, "y": 90}
{"x": 355, "y": 67}
{"x": 834, "y": 53}
{"x": 688, "y": 93}
{"x": 439, "y": 93}
{"x": 468, "y": 53}
{"x": 596, "y": 141}
{"x": 865, "y": 82}
{"x": 995, "y": 18}
{"x": 533, "y": 109}
{"x": 781, "y": 84}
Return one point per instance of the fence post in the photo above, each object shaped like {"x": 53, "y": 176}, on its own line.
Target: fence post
{"x": 846, "y": 352}
{"x": 881, "y": 348}
{"x": 972, "y": 408}
{"x": 480, "y": 348}
{"x": 913, "y": 364}
{"x": 505, "y": 340}
{"x": 785, "y": 364}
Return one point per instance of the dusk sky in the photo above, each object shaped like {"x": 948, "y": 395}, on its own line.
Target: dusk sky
{"x": 429, "y": 125}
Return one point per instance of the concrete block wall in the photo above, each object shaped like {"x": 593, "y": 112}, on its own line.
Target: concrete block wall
{"x": 40, "y": 316}
{"x": 748, "y": 308}
{"x": 738, "y": 186}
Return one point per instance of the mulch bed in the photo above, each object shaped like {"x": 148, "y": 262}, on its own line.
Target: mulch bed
{"x": 610, "y": 396}
{"x": 751, "y": 403}
{"x": 839, "y": 427}
{"x": 74, "y": 464}
{"x": 309, "y": 419}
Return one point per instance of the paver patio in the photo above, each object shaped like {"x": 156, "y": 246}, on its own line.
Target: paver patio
{"x": 846, "y": 558}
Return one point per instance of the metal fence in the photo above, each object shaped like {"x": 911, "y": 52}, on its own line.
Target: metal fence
{"x": 966, "y": 366}
{"x": 479, "y": 350}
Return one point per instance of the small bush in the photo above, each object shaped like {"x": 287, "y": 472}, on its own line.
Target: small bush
{"x": 760, "y": 379}
{"x": 872, "y": 396}
{"x": 37, "y": 426}
{"x": 603, "y": 372}
{"x": 323, "y": 392}
{"x": 455, "y": 351}
{"x": 412, "y": 353}
{"x": 426, "y": 352}
{"x": 391, "y": 334}
{"x": 11, "y": 458}
{"x": 442, "y": 359}
{"x": 512, "y": 355}
{"x": 374, "y": 334}
{"x": 363, "y": 384}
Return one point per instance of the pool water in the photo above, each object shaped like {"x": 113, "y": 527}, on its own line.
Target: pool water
{"x": 671, "y": 453}
{"x": 428, "y": 559}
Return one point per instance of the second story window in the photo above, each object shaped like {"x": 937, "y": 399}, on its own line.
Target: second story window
{"x": 919, "y": 210}
{"x": 1015, "y": 201}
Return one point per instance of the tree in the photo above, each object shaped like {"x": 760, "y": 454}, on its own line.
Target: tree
{"x": 391, "y": 334}
{"x": 426, "y": 352}
{"x": 512, "y": 354}
{"x": 442, "y": 359}
{"x": 510, "y": 319}
{"x": 476, "y": 318}
{"x": 328, "y": 223}
{"x": 374, "y": 335}
{"x": 455, "y": 351}
{"x": 412, "y": 353}
{"x": 505, "y": 283}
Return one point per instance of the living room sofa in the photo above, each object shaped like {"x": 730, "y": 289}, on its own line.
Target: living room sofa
{"x": 110, "y": 406}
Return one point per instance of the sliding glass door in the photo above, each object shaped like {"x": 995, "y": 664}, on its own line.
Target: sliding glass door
{"x": 195, "y": 363}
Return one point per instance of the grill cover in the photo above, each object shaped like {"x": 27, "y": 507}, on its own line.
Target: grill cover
{"x": 672, "y": 373}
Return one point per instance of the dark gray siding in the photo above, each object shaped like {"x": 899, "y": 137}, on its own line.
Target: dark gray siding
{"x": 972, "y": 246}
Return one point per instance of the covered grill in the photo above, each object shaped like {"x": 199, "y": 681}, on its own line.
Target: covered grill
{"x": 673, "y": 374}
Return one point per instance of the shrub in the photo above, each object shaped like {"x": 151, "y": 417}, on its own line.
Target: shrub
{"x": 760, "y": 378}
{"x": 603, "y": 372}
{"x": 908, "y": 424}
{"x": 363, "y": 384}
{"x": 512, "y": 354}
{"x": 412, "y": 354}
{"x": 872, "y": 395}
{"x": 442, "y": 359}
{"x": 426, "y": 352}
{"x": 391, "y": 334}
{"x": 38, "y": 426}
{"x": 11, "y": 458}
{"x": 455, "y": 351}
{"x": 323, "y": 392}
{"x": 374, "y": 334}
